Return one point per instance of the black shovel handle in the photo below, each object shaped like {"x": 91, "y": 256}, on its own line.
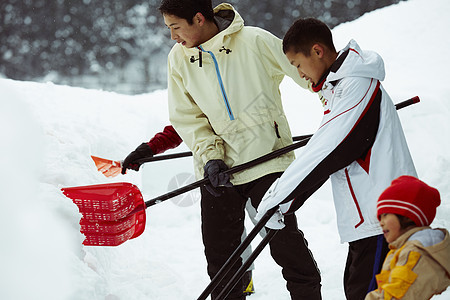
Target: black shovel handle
{"x": 237, "y": 254}
{"x": 240, "y": 273}
{"x": 408, "y": 102}
{"x": 188, "y": 153}
{"x": 232, "y": 170}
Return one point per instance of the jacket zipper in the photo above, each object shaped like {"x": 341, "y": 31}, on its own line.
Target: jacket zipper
{"x": 354, "y": 199}
{"x": 277, "y": 132}
{"x": 222, "y": 88}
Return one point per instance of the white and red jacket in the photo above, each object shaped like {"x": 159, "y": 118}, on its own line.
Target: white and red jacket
{"x": 360, "y": 145}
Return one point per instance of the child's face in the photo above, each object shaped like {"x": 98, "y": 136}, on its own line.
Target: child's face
{"x": 310, "y": 67}
{"x": 391, "y": 227}
{"x": 182, "y": 32}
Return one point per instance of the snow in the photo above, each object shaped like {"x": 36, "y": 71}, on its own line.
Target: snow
{"x": 48, "y": 133}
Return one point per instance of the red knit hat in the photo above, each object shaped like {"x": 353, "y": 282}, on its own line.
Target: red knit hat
{"x": 410, "y": 197}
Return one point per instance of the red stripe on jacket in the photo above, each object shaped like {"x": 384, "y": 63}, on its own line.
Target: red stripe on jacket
{"x": 361, "y": 218}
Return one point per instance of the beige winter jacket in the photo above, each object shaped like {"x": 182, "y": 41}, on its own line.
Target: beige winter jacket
{"x": 417, "y": 267}
{"x": 229, "y": 107}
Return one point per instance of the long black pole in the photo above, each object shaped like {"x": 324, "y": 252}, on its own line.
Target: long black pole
{"x": 188, "y": 153}
{"x": 237, "y": 254}
{"x": 232, "y": 170}
{"x": 238, "y": 275}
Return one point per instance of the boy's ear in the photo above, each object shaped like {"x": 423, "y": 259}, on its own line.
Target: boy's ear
{"x": 318, "y": 49}
{"x": 199, "y": 18}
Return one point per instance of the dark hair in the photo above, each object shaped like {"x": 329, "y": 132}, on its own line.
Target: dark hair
{"x": 405, "y": 222}
{"x": 304, "y": 33}
{"x": 187, "y": 9}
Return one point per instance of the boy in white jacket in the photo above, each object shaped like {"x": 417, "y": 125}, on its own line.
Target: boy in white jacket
{"x": 360, "y": 145}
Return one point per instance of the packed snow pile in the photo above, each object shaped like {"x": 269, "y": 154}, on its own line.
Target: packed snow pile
{"x": 48, "y": 133}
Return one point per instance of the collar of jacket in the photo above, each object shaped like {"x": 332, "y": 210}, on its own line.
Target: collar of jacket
{"x": 333, "y": 68}
{"x": 318, "y": 87}
{"x": 352, "y": 61}
{"x": 224, "y": 14}
{"x": 401, "y": 240}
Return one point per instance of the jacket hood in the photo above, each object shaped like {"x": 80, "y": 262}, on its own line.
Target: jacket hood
{"x": 352, "y": 61}
{"x": 229, "y": 22}
{"x": 439, "y": 251}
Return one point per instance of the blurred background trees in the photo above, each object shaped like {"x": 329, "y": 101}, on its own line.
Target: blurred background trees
{"x": 122, "y": 45}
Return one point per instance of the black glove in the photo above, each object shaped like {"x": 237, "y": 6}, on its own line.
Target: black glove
{"x": 213, "y": 171}
{"x": 131, "y": 161}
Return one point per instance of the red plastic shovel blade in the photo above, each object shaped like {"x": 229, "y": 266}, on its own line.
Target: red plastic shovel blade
{"x": 112, "y": 213}
{"x": 106, "y": 202}
{"x": 113, "y": 233}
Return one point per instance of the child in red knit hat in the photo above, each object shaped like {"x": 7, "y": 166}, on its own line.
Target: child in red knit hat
{"x": 418, "y": 265}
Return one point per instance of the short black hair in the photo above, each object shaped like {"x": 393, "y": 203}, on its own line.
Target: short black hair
{"x": 405, "y": 222}
{"x": 304, "y": 33}
{"x": 187, "y": 9}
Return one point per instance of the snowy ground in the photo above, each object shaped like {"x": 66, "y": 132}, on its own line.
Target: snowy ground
{"x": 48, "y": 133}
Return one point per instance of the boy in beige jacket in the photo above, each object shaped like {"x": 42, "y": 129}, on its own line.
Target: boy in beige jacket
{"x": 225, "y": 103}
{"x": 418, "y": 265}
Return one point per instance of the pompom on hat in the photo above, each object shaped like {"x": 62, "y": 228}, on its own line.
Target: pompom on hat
{"x": 410, "y": 197}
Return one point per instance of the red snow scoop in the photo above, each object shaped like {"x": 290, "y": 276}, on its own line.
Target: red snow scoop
{"x": 113, "y": 213}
